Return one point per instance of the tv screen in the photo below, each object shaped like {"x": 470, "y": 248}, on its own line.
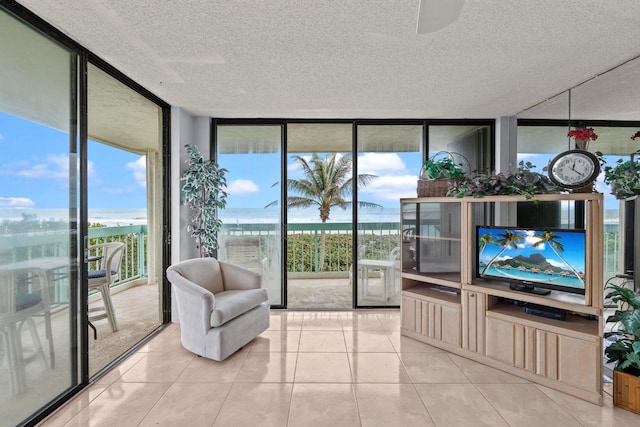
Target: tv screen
{"x": 532, "y": 258}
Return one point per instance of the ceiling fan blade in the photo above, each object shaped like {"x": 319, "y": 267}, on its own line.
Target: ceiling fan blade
{"x": 433, "y": 15}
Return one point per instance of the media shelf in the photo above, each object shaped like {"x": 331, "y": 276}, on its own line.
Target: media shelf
{"x": 445, "y": 305}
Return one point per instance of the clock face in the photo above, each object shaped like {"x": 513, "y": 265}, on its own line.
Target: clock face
{"x": 574, "y": 169}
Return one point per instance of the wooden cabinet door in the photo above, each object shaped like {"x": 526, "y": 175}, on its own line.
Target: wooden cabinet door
{"x": 473, "y": 321}
{"x": 450, "y": 325}
{"x": 575, "y": 366}
{"x": 500, "y": 340}
{"x": 409, "y": 317}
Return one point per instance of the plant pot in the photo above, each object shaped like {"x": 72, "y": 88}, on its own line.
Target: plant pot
{"x": 626, "y": 391}
{"x": 586, "y": 189}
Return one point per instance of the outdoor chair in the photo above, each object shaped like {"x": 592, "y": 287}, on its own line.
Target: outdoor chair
{"x": 109, "y": 257}
{"x": 221, "y": 306}
{"x": 24, "y": 293}
{"x": 245, "y": 252}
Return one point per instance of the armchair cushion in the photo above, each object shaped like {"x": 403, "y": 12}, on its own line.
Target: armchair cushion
{"x": 231, "y": 304}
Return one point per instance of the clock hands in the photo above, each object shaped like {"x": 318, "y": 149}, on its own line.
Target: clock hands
{"x": 573, "y": 168}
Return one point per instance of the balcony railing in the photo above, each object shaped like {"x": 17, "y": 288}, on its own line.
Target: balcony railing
{"x": 304, "y": 243}
{"x": 55, "y": 243}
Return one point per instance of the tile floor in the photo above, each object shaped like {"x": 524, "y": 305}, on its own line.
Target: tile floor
{"x": 323, "y": 369}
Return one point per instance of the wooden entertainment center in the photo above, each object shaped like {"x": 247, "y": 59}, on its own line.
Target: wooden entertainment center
{"x": 445, "y": 305}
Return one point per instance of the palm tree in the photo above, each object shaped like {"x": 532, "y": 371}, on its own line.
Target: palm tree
{"x": 327, "y": 183}
{"x": 552, "y": 239}
{"x": 483, "y": 241}
{"x": 506, "y": 240}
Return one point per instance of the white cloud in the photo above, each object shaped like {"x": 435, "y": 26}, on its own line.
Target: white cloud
{"x": 139, "y": 168}
{"x": 54, "y": 166}
{"x": 242, "y": 186}
{"x": 390, "y": 187}
{"x": 16, "y": 202}
{"x": 1, "y": 137}
{"x": 556, "y": 263}
{"x": 380, "y": 163}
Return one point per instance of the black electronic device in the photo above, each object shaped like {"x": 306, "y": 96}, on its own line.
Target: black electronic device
{"x": 543, "y": 311}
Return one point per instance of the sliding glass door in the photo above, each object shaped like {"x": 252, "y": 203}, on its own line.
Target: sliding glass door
{"x": 39, "y": 285}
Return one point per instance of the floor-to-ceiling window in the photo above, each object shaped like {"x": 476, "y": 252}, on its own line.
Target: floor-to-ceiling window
{"x": 39, "y": 310}
{"x": 123, "y": 207}
{"x": 319, "y": 215}
{"x": 252, "y": 231}
{"x": 389, "y": 161}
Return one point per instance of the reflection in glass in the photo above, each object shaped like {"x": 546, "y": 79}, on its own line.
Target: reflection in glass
{"x": 251, "y": 233}
{"x": 37, "y": 222}
{"x": 393, "y": 155}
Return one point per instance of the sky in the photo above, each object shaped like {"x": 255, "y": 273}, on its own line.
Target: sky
{"x": 34, "y": 170}
{"x": 573, "y": 243}
{"x": 34, "y": 165}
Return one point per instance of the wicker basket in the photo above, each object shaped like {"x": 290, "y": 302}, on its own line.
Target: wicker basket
{"x": 436, "y": 187}
{"x": 586, "y": 189}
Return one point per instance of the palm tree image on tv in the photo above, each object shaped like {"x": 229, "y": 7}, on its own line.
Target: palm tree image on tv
{"x": 327, "y": 184}
{"x": 552, "y": 259}
{"x": 552, "y": 239}
{"x": 507, "y": 239}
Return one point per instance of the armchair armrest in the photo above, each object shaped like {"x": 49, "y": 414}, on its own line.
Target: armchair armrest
{"x": 195, "y": 303}
{"x": 236, "y": 278}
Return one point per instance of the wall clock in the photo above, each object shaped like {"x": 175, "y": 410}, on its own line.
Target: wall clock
{"x": 574, "y": 169}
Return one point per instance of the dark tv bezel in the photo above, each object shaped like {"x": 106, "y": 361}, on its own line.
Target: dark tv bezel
{"x": 551, "y": 287}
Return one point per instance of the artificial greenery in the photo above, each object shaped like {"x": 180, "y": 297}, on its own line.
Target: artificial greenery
{"x": 624, "y": 178}
{"x": 203, "y": 185}
{"x": 624, "y": 350}
{"x": 441, "y": 168}
{"x": 522, "y": 181}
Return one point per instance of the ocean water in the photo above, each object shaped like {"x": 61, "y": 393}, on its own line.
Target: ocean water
{"x": 120, "y": 217}
{"x": 552, "y": 279}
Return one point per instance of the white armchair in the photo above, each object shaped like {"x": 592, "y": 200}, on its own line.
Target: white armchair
{"x": 221, "y": 306}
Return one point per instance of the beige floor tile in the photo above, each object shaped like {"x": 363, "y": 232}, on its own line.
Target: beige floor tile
{"x": 377, "y": 368}
{"x": 279, "y": 341}
{"x": 268, "y": 367}
{"x": 170, "y": 343}
{"x": 432, "y": 368}
{"x": 368, "y": 341}
{"x": 323, "y": 368}
{"x": 525, "y": 405}
{"x": 121, "y": 404}
{"x": 117, "y": 372}
{"x": 322, "y": 341}
{"x": 483, "y": 374}
{"x": 390, "y": 321}
{"x": 188, "y": 404}
{"x": 256, "y": 405}
{"x": 203, "y": 370}
{"x": 363, "y": 322}
{"x": 74, "y": 406}
{"x": 458, "y": 405}
{"x": 590, "y": 415}
{"x": 323, "y": 405}
{"x": 158, "y": 367}
{"x": 404, "y": 344}
{"x": 390, "y": 405}
{"x": 285, "y": 322}
{"x": 321, "y": 322}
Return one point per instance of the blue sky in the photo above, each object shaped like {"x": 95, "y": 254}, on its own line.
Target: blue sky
{"x": 573, "y": 242}
{"x": 34, "y": 168}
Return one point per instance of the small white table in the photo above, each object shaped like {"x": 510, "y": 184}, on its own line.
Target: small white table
{"x": 387, "y": 267}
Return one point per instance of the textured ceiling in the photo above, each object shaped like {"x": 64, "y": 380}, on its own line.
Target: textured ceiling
{"x": 360, "y": 58}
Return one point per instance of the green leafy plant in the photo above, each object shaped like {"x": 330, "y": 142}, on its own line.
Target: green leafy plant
{"x": 624, "y": 349}
{"x": 522, "y": 181}
{"x": 203, "y": 185}
{"x": 445, "y": 167}
{"x": 624, "y": 177}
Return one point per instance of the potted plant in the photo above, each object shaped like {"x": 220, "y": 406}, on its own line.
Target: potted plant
{"x": 438, "y": 174}
{"x": 624, "y": 177}
{"x": 522, "y": 181}
{"x": 203, "y": 185}
{"x": 624, "y": 347}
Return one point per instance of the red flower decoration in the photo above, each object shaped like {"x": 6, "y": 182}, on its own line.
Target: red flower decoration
{"x": 636, "y": 135}
{"x": 585, "y": 134}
